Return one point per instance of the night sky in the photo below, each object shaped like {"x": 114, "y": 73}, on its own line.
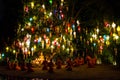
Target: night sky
{"x": 9, "y": 15}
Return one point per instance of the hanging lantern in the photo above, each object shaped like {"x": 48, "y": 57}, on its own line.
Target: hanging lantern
{"x": 32, "y": 29}
{"x": 42, "y": 44}
{"x": 52, "y": 47}
{"x": 50, "y": 1}
{"x": 7, "y": 48}
{"x": 79, "y": 28}
{"x": 68, "y": 25}
{"x": 74, "y": 33}
{"x": 66, "y": 30}
{"x": 32, "y": 4}
{"x": 118, "y": 30}
{"x": 106, "y": 24}
{"x": 0, "y": 56}
{"x": 26, "y": 9}
{"x": 113, "y": 25}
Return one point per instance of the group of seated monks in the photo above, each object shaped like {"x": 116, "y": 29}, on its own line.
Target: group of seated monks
{"x": 78, "y": 61}
{"x": 49, "y": 65}
{"x": 68, "y": 66}
{"x": 23, "y": 66}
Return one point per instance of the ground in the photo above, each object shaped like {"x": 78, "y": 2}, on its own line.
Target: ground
{"x": 99, "y": 72}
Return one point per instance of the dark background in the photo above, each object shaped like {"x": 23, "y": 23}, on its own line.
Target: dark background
{"x": 11, "y": 11}
{"x": 9, "y": 17}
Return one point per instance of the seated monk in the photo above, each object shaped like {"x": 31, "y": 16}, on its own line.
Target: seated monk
{"x": 81, "y": 61}
{"x": 16, "y": 66}
{"x": 45, "y": 65}
{"x": 88, "y": 58}
{"x": 50, "y": 65}
{"x": 59, "y": 64}
{"x": 69, "y": 65}
{"x": 29, "y": 67}
{"x": 76, "y": 62}
{"x": 94, "y": 60}
{"x": 23, "y": 66}
{"x": 91, "y": 61}
{"x": 9, "y": 65}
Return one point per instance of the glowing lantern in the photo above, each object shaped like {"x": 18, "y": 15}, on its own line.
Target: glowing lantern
{"x": 118, "y": 28}
{"x": 106, "y": 24}
{"x": 0, "y": 56}
{"x": 94, "y": 44}
{"x": 71, "y": 31}
{"x": 79, "y": 28}
{"x": 66, "y": 30}
{"x": 52, "y": 47}
{"x": 107, "y": 43}
{"x": 114, "y": 63}
{"x": 28, "y": 43}
{"x": 101, "y": 47}
{"x": 62, "y": 0}
{"x": 42, "y": 44}
{"x": 113, "y": 25}
{"x": 55, "y": 42}
{"x": 61, "y": 3}
{"x": 116, "y": 37}
{"x": 62, "y": 15}
{"x": 73, "y": 27}
{"x": 14, "y": 51}
{"x": 68, "y": 50}
{"x": 114, "y": 34}
{"x": 97, "y": 30}
{"x": 34, "y": 17}
{"x": 32, "y": 4}
{"x": 7, "y": 48}
{"x": 72, "y": 49}
{"x": 78, "y": 23}
{"x": 50, "y": 1}
{"x": 29, "y": 24}
{"x": 63, "y": 47}
{"x": 107, "y": 37}
{"x": 32, "y": 29}
{"x": 35, "y": 47}
{"x": 31, "y": 19}
{"x": 43, "y": 6}
{"x": 58, "y": 45}
{"x": 32, "y": 49}
{"x": 74, "y": 33}
{"x": 94, "y": 36}
{"x": 48, "y": 30}
{"x": 26, "y": 9}
{"x": 44, "y": 36}
{"x": 68, "y": 24}
{"x": 29, "y": 53}
{"x": 39, "y": 39}
{"x": 91, "y": 39}
{"x": 50, "y": 14}
{"x": 26, "y": 50}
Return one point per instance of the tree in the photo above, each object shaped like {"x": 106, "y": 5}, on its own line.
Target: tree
{"x": 46, "y": 27}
